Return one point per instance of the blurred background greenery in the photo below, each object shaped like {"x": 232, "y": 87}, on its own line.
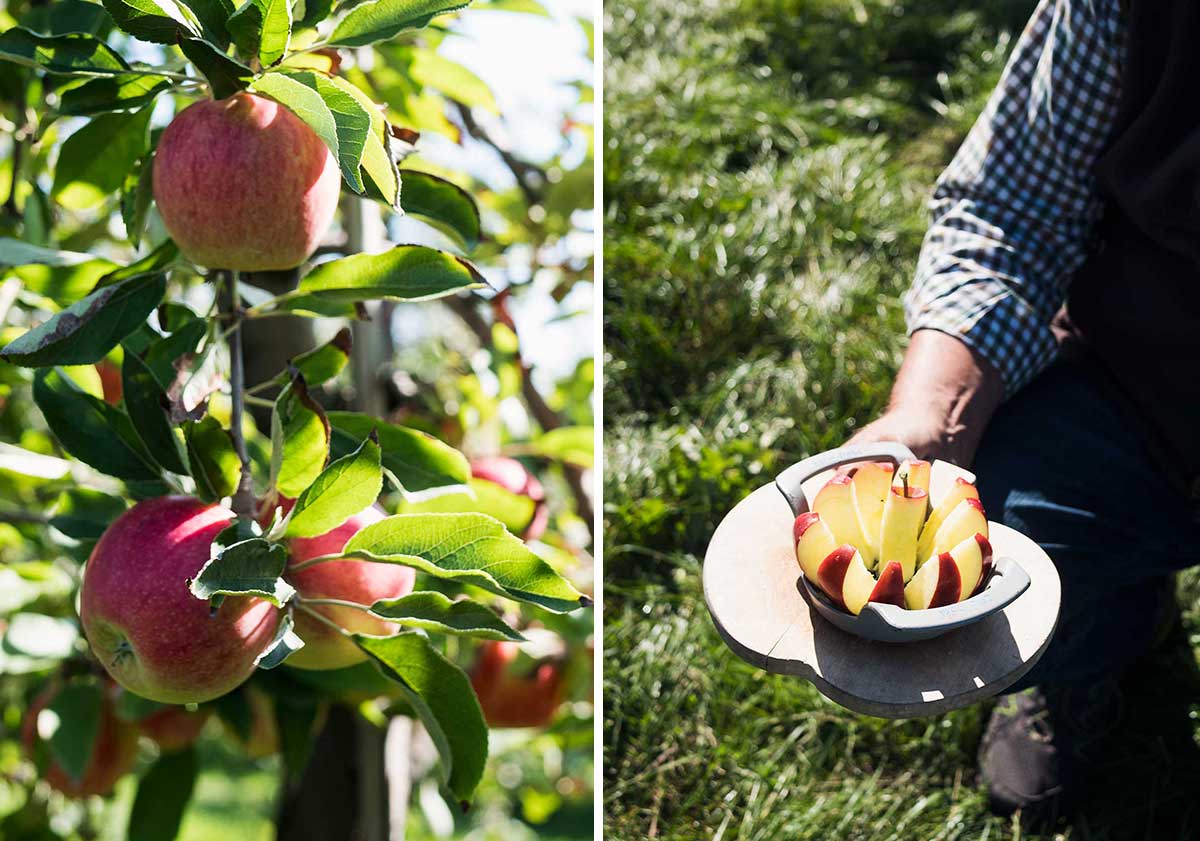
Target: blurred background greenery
{"x": 766, "y": 167}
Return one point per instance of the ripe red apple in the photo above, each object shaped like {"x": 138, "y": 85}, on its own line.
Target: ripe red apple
{"x": 363, "y": 582}
{"x": 511, "y": 475}
{"x": 510, "y": 698}
{"x": 174, "y": 727}
{"x": 152, "y": 635}
{"x": 243, "y": 183}
{"x": 113, "y": 754}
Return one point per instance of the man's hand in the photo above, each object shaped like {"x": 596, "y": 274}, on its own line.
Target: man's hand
{"x": 941, "y": 402}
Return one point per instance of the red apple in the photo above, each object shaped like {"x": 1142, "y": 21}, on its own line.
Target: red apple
{"x": 152, "y": 635}
{"x": 363, "y": 582}
{"x": 511, "y": 475}
{"x": 512, "y": 699}
{"x": 174, "y": 727}
{"x": 113, "y": 754}
{"x": 243, "y": 183}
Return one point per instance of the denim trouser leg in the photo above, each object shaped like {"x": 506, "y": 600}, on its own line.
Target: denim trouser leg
{"x": 1061, "y": 464}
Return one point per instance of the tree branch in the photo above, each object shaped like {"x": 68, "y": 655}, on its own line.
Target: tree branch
{"x": 243, "y": 497}
{"x": 530, "y": 178}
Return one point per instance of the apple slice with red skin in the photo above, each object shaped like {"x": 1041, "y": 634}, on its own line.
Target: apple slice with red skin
{"x": 814, "y": 541}
{"x": 916, "y": 473}
{"x": 985, "y": 549}
{"x": 967, "y": 519}
{"x": 871, "y": 482}
{"x": 960, "y": 490}
{"x": 937, "y": 583}
{"x": 835, "y": 503}
{"x": 902, "y": 518}
{"x": 890, "y": 587}
{"x": 846, "y": 579}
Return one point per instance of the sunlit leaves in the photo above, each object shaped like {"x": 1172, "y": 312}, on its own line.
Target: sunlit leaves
{"x": 443, "y": 204}
{"x": 415, "y": 459}
{"x": 93, "y": 161}
{"x": 405, "y": 273}
{"x": 434, "y": 611}
{"x": 378, "y": 20}
{"x": 262, "y": 28}
{"x": 214, "y": 462}
{"x": 226, "y": 76}
{"x": 299, "y": 439}
{"x": 243, "y": 564}
{"x": 74, "y": 53}
{"x": 347, "y": 486}
{"x": 158, "y": 21}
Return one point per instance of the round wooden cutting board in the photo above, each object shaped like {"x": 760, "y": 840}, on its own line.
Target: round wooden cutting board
{"x": 751, "y": 585}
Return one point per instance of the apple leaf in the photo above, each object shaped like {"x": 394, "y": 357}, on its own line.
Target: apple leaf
{"x": 470, "y": 549}
{"x": 570, "y": 444}
{"x": 299, "y": 439}
{"x": 434, "y": 70}
{"x": 78, "y": 707}
{"x": 308, "y": 13}
{"x": 416, "y": 460}
{"x": 162, "y": 353}
{"x": 136, "y": 195}
{"x": 434, "y": 611}
{"x": 71, "y": 54}
{"x": 226, "y": 76}
{"x": 380, "y": 20}
{"x": 15, "y": 252}
{"x": 147, "y": 405}
{"x": 262, "y": 28}
{"x": 157, "y": 21}
{"x": 92, "y": 431}
{"x": 446, "y": 206}
{"x": 347, "y": 486}
{"x": 405, "y": 273}
{"x": 322, "y": 364}
{"x": 93, "y": 161}
{"x": 162, "y": 795}
{"x": 84, "y": 514}
{"x": 214, "y": 462}
{"x": 285, "y": 643}
{"x": 212, "y": 15}
{"x": 88, "y": 329}
{"x": 160, "y": 258}
{"x": 306, "y": 103}
{"x": 515, "y": 511}
{"x": 243, "y": 566}
{"x": 112, "y": 93}
{"x": 381, "y": 178}
{"x": 441, "y": 695}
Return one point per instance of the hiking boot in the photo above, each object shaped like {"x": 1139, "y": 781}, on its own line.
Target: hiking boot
{"x": 1039, "y": 745}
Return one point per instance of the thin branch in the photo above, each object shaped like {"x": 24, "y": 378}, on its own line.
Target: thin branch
{"x": 529, "y": 176}
{"x": 366, "y": 608}
{"x": 243, "y": 497}
{"x": 22, "y": 517}
{"x": 322, "y": 618}
{"x": 320, "y": 559}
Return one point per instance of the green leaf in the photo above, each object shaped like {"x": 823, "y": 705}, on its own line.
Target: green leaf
{"x": 89, "y": 429}
{"x": 64, "y": 16}
{"x": 88, "y": 329}
{"x": 162, "y": 354}
{"x": 322, "y": 364}
{"x": 417, "y": 460}
{"x": 405, "y": 273}
{"x": 306, "y": 103}
{"x": 381, "y": 177}
{"x": 383, "y": 19}
{"x": 262, "y": 28}
{"x": 572, "y": 444}
{"x": 70, "y": 54}
{"x": 285, "y": 643}
{"x": 515, "y": 511}
{"x": 243, "y": 567}
{"x": 78, "y": 708}
{"x": 214, "y": 462}
{"x": 226, "y": 76}
{"x": 162, "y": 796}
{"x": 441, "y": 694}
{"x": 468, "y": 548}
{"x": 84, "y": 514}
{"x": 147, "y": 405}
{"x": 309, "y": 13}
{"x": 15, "y": 252}
{"x": 160, "y": 258}
{"x": 112, "y": 93}
{"x": 136, "y": 195}
{"x": 436, "y": 612}
{"x": 157, "y": 21}
{"x": 212, "y": 15}
{"x": 93, "y": 161}
{"x": 299, "y": 439}
{"x": 446, "y": 206}
{"x": 347, "y": 486}
{"x": 453, "y": 80}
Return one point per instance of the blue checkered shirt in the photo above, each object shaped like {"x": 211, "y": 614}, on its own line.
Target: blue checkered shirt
{"x": 1014, "y": 212}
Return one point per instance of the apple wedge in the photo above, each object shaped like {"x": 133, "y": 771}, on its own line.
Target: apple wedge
{"x": 871, "y": 482}
{"x": 960, "y": 490}
{"x": 835, "y": 503}
{"x": 814, "y": 542}
{"x": 936, "y": 583}
{"x": 915, "y": 472}
{"x": 965, "y": 520}
{"x": 845, "y": 577}
{"x": 890, "y": 587}
{"x": 902, "y": 518}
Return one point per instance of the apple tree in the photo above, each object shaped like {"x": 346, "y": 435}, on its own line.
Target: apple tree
{"x": 229, "y": 491}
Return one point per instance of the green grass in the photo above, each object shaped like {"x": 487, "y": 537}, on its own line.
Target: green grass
{"x": 766, "y": 169}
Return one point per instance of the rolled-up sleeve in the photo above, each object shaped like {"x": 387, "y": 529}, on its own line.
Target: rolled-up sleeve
{"x": 1014, "y": 212}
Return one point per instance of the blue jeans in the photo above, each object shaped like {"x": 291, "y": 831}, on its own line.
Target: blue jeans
{"x": 1063, "y": 463}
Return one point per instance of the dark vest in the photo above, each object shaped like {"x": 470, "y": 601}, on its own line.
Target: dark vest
{"x": 1136, "y": 300}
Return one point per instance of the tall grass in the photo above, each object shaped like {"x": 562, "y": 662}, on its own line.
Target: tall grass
{"x": 766, "y": 168}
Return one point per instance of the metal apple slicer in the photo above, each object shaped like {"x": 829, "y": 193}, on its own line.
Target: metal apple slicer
{"x": 887, "y": 660}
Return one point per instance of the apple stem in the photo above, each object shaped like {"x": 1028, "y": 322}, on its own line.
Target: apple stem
{"x": 904, "y": 479}
{"x": 243, "y": 497}
{"x": 337, "y": 603}
{"x": 320, "y": 617}
{"x": 319, "y": 559}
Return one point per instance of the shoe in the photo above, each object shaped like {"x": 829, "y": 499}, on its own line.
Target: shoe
{"x": 1039, "y": 745}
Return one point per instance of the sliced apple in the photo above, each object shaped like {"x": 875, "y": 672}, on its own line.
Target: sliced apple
{"x": 835, "y": 503}
{"x": 985, "y": 549}
{"x": 969, "y": 557}
{"x": 890, "y": 587}
{"x": 871, "y": 482}
{"x": 814, "y": 542}
{"x": 845, "y": 577}
{"x": 915, "y": 472}
{"x": 965, "y": 520}
{"x": 902, "y": 518}
{"x": 936, "y": 583}
{"x": 960, "y": 490}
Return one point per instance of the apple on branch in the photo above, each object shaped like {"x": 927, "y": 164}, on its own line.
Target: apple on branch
{"x": 960, "y": 490}
{"x": 871, "y": 482}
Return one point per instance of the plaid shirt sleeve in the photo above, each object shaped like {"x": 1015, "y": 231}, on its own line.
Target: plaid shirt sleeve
{"x": 1014, "y": 211}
